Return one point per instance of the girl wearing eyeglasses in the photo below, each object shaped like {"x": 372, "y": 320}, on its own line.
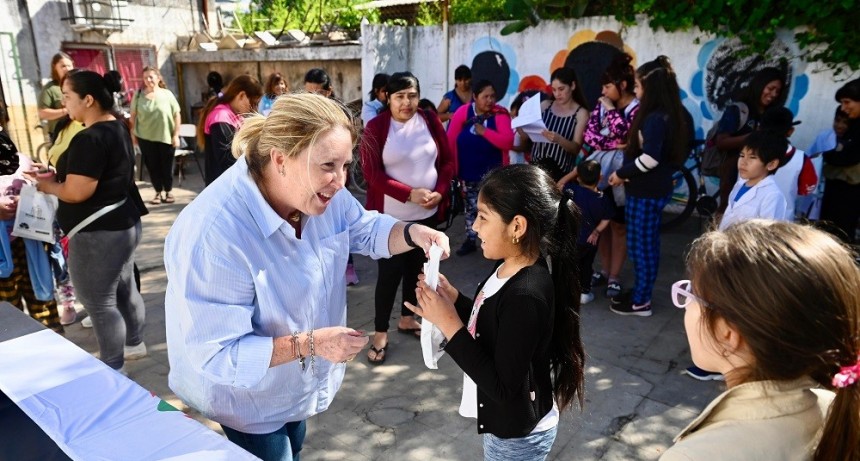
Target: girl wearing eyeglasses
{"x": 774, "y": 306}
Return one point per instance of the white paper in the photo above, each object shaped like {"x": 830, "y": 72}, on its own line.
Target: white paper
{"x": 432, "y": 339}
{"x": 530, "y": 120}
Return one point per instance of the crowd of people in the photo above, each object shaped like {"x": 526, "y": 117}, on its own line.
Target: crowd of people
{"x": 276, "y": 219}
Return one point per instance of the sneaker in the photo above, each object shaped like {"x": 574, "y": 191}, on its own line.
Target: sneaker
{"x": 134, "y": 352}
{"x": 87, "y": 322}
{"x": 613, "y": 289}
{"x": 68, "y": 315}
{"x": 626, "y": 307}
{"x": 586, "y": 298}
{"x": 467, "y": 247}
{"x": 351, "y": 276}
{"x": 598, "y": 279}
{"x": 704, "y": 375}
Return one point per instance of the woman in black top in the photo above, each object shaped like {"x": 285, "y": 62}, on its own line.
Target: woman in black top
{"x": 519, "y": 340}
{"x": 100, "y": 209}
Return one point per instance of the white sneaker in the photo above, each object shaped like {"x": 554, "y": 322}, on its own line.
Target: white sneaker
{"x": 134, "y": 352}
{"x": 87, "y": 322}
{"x": 586, "y": 298}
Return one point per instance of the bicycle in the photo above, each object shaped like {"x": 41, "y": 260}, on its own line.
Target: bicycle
{"x": 690, "y": 191}
{"x": 41, "y": 154}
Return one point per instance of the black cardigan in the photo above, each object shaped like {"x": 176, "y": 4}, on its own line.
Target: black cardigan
{"x": 509, "y": 357}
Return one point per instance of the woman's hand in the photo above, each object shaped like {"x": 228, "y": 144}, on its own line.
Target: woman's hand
{"x": 8, "y": 207}
{"x": 437, "y": 309}
{"x": 551, "y": 136}
{"x": 176, "y": 141}
{"x": 614, "y": 180}
{"x": 338, "y": 344}
{"x": 607, "y": 103}
{"x": 419, "y": 195}
{"x": 479, "y": 129}
{"x": 431, "y": 200}
{"x": 40, "y": 174}
{"x": 425, "y": 237}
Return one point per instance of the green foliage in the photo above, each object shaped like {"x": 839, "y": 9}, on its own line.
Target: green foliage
{"x": 825, "y": 31}
{"x": 309, "y": 16}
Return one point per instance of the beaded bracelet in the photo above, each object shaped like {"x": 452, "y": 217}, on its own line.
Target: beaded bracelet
{"x": 297, "y": 349}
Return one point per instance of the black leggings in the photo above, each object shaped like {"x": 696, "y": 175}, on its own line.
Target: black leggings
{"x": 158, "y": 158}
{"x": 404, "y": 268}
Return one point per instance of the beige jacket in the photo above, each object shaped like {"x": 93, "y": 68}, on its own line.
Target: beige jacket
{"x": 761, "y": 420}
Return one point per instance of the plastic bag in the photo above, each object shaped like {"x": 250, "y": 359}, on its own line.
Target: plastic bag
{"x": 35, "y": 216}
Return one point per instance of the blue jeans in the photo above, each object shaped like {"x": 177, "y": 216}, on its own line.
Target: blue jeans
{"x": 282, "y": 445}
{"x": 533, "y": 447}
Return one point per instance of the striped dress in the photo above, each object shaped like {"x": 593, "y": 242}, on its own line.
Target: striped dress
{"x": 564, "y": 126}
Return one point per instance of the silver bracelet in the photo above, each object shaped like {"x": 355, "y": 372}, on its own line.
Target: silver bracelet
{"x": 311, "y": 351}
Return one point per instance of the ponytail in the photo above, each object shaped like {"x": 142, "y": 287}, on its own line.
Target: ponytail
{"x": 201, "y": 123}
{"x": 245, "y": 142}
{"x": 567, "y": 356}
{"x": 841, "y": 436}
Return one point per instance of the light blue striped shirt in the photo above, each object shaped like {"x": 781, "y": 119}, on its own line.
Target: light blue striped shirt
{"x": 237, "y": 278}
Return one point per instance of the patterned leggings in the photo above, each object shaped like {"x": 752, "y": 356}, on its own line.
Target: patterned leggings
{"x": 18, "y": 287}
{"x": 471, "y": 208}
{"x": 643, "y": 217}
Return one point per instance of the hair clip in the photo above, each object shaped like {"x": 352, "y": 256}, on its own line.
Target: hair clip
{"x": 847, "y": 376}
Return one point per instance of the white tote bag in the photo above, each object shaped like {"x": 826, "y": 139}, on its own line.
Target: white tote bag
{"x": 35, "y": 216}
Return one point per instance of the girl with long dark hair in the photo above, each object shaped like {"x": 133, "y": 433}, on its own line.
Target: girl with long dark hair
{"x": 658, "y": 143}
{"x": 519, "y": 340}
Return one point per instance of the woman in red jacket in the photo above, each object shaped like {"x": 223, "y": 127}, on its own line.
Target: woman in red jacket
{"x": 408, "y": 166}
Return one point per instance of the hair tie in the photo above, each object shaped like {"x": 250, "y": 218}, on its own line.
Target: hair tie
{"x": 566, "y": 195}
{"x": 847, "y": 376}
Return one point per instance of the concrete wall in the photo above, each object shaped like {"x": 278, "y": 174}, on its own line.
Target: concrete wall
{"x": 341, "y": 62}
{"x": 707, "y": 67}
{"x": 39, "y": 32}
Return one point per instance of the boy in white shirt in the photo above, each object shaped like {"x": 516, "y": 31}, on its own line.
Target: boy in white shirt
{"x": 756, "y": 194}
{"x": 796, "y": 175}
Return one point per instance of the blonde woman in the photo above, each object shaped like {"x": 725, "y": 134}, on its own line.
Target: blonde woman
{"x": 244, "y": 349}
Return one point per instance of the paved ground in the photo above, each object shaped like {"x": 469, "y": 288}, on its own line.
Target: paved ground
{"x": 636, "y": 398}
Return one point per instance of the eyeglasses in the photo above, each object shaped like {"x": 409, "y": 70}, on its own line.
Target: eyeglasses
{"x": 682, "y": 295}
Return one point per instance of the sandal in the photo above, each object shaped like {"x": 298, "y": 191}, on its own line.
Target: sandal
{"x": 169, "y": 198}
{"x": 414, "y": 332}
{"x": 156, "y": 200}
{"x": 377, "y": 360}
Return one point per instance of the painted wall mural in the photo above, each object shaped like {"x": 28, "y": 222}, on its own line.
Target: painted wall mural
{"x": 722, "y": 70}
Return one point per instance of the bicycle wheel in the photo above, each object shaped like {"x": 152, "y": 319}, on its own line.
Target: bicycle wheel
{"x": 683, "y": 201}
{"x": 42, "y": 153}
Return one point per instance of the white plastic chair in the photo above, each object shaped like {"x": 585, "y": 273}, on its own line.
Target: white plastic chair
{"x": 188, "y": 134}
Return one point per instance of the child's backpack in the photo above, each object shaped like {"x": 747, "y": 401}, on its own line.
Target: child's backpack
{"x": 712, "y": 157}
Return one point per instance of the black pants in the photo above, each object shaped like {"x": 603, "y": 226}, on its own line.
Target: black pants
{"x": 840, "y": 207}
{"x": 158, "y": 158}
{"x": 585, "y": 260}
{"x": 403, "y": 270}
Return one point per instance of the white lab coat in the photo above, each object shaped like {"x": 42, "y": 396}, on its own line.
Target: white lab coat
{"x": 764, "y": 200}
